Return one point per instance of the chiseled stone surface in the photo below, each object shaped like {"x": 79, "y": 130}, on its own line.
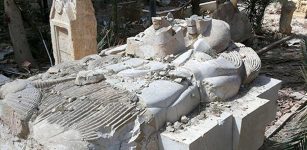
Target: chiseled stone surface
{"x": 73, "y": 29}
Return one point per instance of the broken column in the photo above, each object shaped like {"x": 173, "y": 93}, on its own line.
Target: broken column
{"x": 73, "y": 29}
{"x": 287, "y": 11}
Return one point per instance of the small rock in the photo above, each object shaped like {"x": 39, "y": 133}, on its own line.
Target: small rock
{"x": 89, "y": 77}
{"x": 70, "y": 108}
{"x": 168, "y": 124}
{"x": 53, "y": 110}
{"x": 170, "y": 129}
{"x": 83, "y": 98}
{"x": 162, "y": 73}
{"x": 71, "y": 99}
{"x": 58, "y": 93}
{"x": 177, "y": 125}
{"x": 184, "y": 119}
{"x": 202, "y": 115}
{"x": 53, "y": 70}
{"x": 227, "y": 106}
{"x": 138, "y": 92}
{"x": 178, "y": 80}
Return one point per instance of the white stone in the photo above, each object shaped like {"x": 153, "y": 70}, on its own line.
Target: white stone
{"x": 213, "y": 133}
{"x": 89, "y": 77}
{"x": 130, "y": 63}
{"x": 182, "y": 58}
{"x": 202, "y": 46}
{"x": 143, "y": 70}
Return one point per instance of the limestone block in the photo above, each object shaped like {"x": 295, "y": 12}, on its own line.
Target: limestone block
{"x": 205, "y": 135}
{"x": 89, "y": 77}
{"x": 253, "y": 112}
{"x": 73, "y": 29}
{"x": 265, "y": 88}
{"x": 249, "y": 125}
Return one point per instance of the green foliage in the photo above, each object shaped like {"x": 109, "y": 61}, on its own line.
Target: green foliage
{"x": 255, "y": 10}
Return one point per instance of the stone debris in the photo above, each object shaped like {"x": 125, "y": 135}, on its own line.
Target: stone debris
{"x": 184, "y": 119}
{"x": 178, "y": 125}
{"x": 89, "y": 77}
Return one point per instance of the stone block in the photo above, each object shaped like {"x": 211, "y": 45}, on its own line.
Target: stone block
{"x": 258, "y": 109}
{"x": 251, "y": 111}
{"x": 73, "y": 29}
{"x": 213, "y": 133}
{"x": 250, "y": 123}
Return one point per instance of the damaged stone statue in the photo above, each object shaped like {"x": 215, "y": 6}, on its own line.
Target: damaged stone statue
{"x": 121, "y": 98}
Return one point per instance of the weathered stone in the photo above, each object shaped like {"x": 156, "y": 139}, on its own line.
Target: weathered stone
{"x": 184, "y": 119}
{"x": 73, "y": 29}
{"x": 240, "y": 27}
{"x": 89, "y": 77}
{"x": 158, "y": 41}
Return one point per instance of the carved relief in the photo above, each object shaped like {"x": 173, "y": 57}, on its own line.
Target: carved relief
{"x": 74, "y": 29}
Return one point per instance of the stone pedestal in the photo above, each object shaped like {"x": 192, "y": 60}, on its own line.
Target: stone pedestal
{"x": 73, "y": 29}
{"x": 240, "y": 126}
